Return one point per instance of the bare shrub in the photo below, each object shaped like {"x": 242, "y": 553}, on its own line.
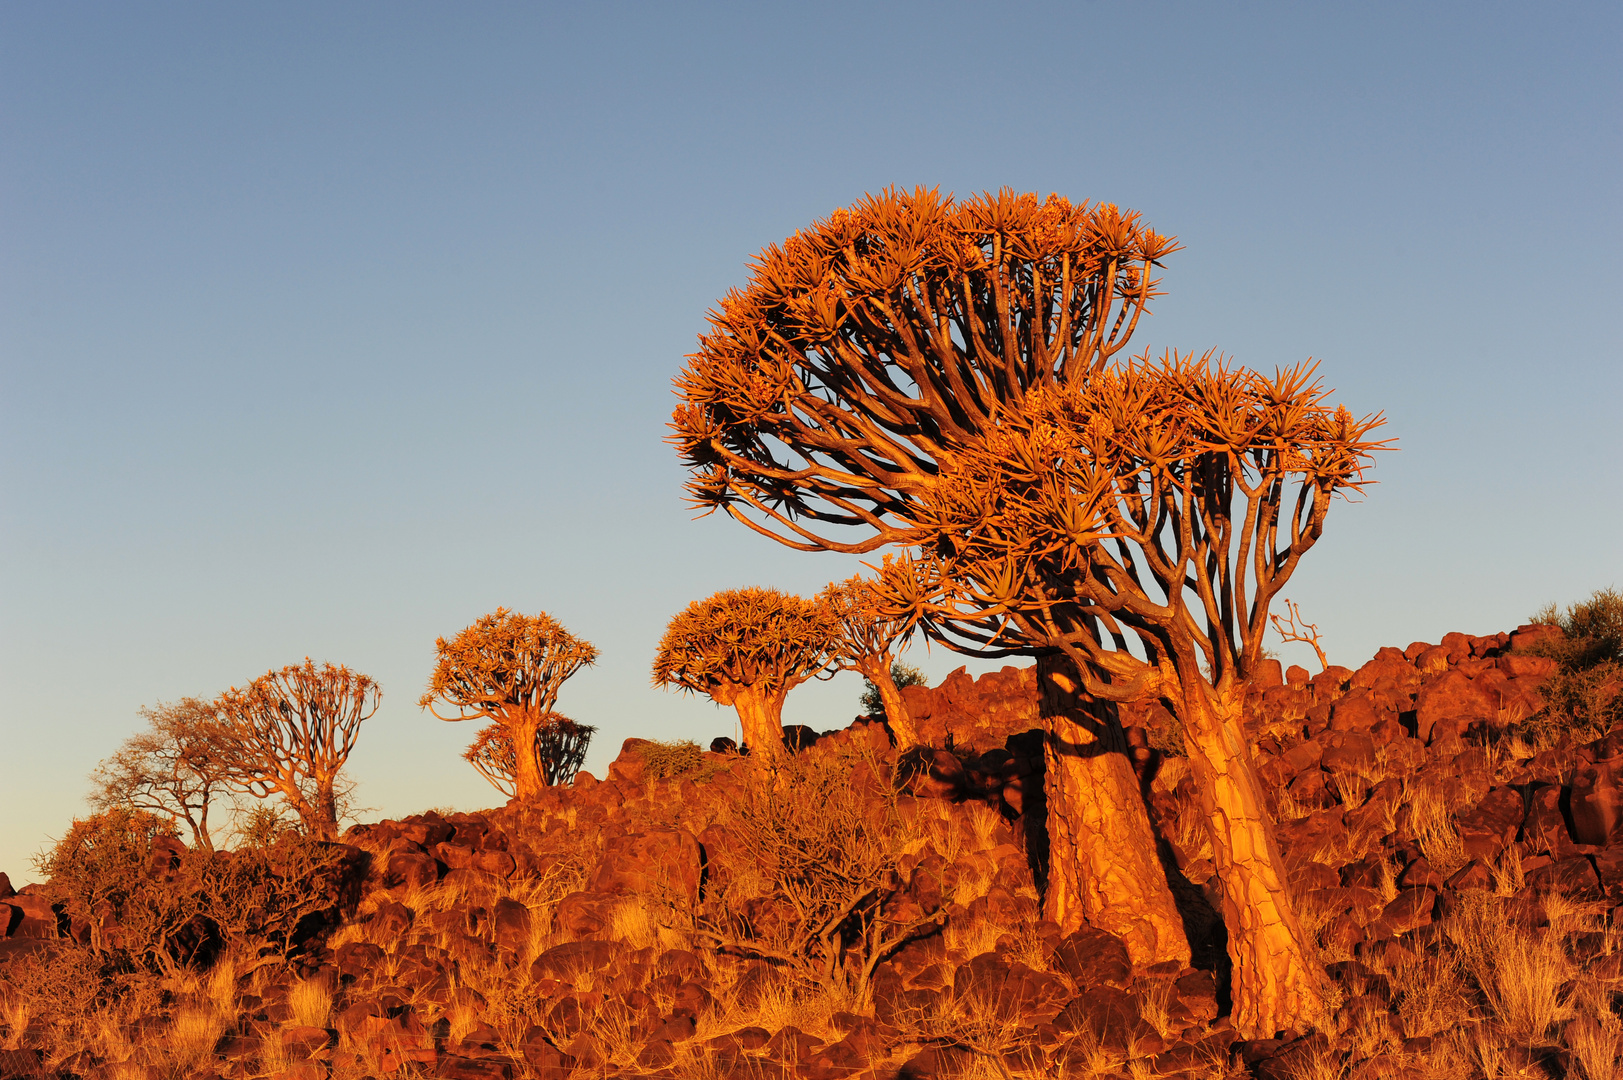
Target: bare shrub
{"x": 814, "y": 887}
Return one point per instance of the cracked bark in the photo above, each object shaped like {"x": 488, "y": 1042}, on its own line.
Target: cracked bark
{"x": 1103, "y": 870}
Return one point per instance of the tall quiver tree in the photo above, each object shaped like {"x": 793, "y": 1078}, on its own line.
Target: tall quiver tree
{"x": 864, "y": 351}
{"x": 1162, "y": 504}
{"x": 508, "y": 668}
{"x": 289, "y": 733}
{"x": 748, "y": 648}
{"x": 868, "y": 642}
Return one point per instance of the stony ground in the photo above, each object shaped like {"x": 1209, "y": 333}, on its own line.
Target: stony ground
{"x": 852, "y": 914}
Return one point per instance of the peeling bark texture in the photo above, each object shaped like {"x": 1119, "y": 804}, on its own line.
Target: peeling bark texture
{"x": 1103, "y": 870}
{"x": 760, "y": 718}
{"x": 1278, "y": 984}
{"x": 896, "y": 714}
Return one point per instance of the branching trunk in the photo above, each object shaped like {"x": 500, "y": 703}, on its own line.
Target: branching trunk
{"x": 1278, "y": 983}
{"x": 1103, "y": 868}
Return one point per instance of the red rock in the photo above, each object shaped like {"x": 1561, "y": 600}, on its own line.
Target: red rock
{"x": 1409, "y": 910}
{"x": 1454, "y": 699}
{"x": 1530, "y": 635}
{"x": 1105, "y": 1014}
{"x": 510, "y": 921}
{"x": 6, "y": 891}
{"x": 1353, "y": 753}
{"x": 1609, "y": 869}
{"x": 304, "y": 1041}
{"x": 462, "y": 1068}
{"x": 569, "y": 961}
{"x": 1493, "y": 824}
{"x": 792, "y": 1046}
{"x": 38, "y": 918}
{"x": 1328, "y": 683}
{"x": 584, "y": 914}
{"x": 1420, "y": 875}
{"x": 1597, "y": 802}
{"x": 651, "y": 863}
{"x": 1355, "y": 712}
{"x": 1573, "y": 875}
{"x": 1473, "y": 875}
{"x": 549, "y": 1062}
{"x": 1544, "y": 828}
{"x": 1296, "y": 675}
{"x": 1093, "y": 958}
{"x": 410, "y": 869}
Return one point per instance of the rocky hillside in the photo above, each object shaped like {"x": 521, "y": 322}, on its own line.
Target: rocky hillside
{"x": 1456, "y": 852}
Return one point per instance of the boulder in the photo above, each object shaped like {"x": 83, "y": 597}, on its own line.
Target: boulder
{"x": 657, "y": 862}
{"x": 1597, "y": 802}
{"x": 1493, "y": 824}
{"x": 410, "y": 870}
{"x": 1093, "y": 958}
{"x": 1454, "y": 701}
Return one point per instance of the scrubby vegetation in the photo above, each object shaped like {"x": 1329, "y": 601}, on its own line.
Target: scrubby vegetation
{"x": 852, "y": 911}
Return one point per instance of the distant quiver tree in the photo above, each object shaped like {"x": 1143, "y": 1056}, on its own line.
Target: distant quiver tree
{"x": 560, "y": 748}
{"x": 289, "y": 733}
{"x": 748, "y": 648}
{"x": 171, "y": 769}
{"x": 868, "y": 642}
{"x": 508, "y": 668}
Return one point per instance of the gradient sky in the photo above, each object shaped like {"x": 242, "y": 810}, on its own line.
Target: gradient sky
{"x": 325, "y": 329}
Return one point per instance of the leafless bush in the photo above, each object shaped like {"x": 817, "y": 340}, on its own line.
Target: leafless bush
{"x": 813, "y": 885}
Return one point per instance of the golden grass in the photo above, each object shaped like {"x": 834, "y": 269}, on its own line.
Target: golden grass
{"x": 311, "y": 1002}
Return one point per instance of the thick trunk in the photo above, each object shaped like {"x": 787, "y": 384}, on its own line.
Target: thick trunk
{"x": 1279, "y": 984}
{"x": 1103, "y": 869}
{"x": 896, "y": 714}
{"x": 528, "y": 780}
{"x": 760, "y": 719}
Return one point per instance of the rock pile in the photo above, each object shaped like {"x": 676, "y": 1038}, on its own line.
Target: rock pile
{"x": 580, "y": 935}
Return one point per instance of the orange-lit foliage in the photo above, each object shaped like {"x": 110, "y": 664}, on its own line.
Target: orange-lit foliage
{"x": 1162, "y": 505}
{"x": 560, "y": 746}
{"x": 508, "y": 668}
{"x": 289, "y": 733}
{"x": 868, "y": 642}
{"x": 889, "y": 332}
{"x": 748, "y": 648}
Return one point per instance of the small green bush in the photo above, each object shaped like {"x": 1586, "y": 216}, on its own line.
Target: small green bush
{"x": 903, "y": 675}
{"x": 1585, "y": 695}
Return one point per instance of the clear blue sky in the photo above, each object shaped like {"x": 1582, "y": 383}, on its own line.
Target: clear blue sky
{"x": 325, "y": 329}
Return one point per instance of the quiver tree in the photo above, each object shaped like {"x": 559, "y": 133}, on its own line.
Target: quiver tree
{"x": 862, "y": 353}
{"x": 560, "y": 748}
{"x": 868, "y": 642}
{"x": 508, "y": 668}
{"x": 748, "y": 648}
{"x": 289, "y": 733}
{"x": 171, "y": 769}
{"x": 1160, "y": 506}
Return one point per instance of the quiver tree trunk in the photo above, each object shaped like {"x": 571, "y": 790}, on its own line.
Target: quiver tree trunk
{"x": 897, "y": 717}
{"x": 1278, "y": 984}
{"x": 322, "y": 821}
{"x": 528, "y": 779}
{"x": 1103, "y": 866}
{"x": 760, "y": 720}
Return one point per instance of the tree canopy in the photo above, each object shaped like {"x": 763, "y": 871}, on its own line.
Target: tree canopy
{"x": 866, "y": 346}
